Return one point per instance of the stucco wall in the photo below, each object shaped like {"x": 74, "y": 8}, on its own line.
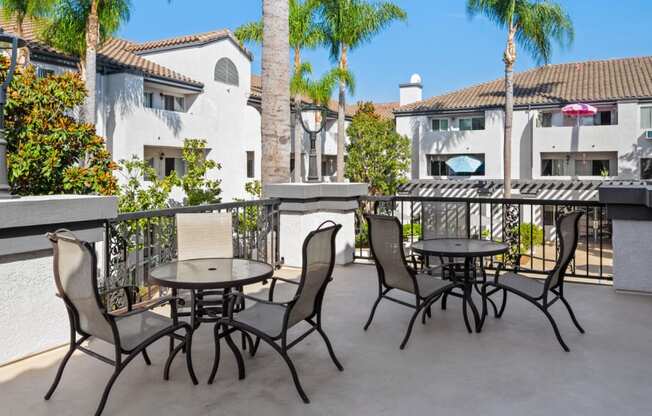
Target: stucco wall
{"x": 529, "y": 141}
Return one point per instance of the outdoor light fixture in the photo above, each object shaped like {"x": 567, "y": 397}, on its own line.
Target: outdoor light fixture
{"x": 313, "y": 120}
{"x": 9, "y": 43}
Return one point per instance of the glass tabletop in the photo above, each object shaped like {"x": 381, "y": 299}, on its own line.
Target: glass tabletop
{"x": 216, "y": 273}
{"x": 459, "y": 247}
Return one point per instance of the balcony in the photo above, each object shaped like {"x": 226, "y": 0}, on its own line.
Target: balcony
{"x": 513, "y": 367}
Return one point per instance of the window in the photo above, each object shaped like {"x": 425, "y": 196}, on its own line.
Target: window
{"x": 646, "y": 168}
{"x": 646, "y": 117}
{"x": 440, "y": 124}
{"x": 603, "y": 118}
{"x": 548, "y": 215}
{"x": 545, "y": 119}
{"x": 437, "y": 165}
{"x": 165, "y": 160}
{"x": 555, "y": 167}
{"x": 472, "y": 123}
{"x": 250, "y": 164}
{"x": 44, "y": 72}
{"x": 226, "y": 72}
{"x": 579, "y": 164}
{"x": 173, "y": 103}
{"x": 148, "y": 99}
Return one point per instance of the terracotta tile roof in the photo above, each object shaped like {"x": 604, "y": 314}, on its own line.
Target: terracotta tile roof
{"x": 113, "y": 52}
{"x": 591, "y": 81}
{"x": 384, "y": 110}
{"x": 188, "y": 40}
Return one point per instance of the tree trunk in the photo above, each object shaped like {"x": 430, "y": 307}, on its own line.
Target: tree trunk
{"x": 23, "y": 53}
{"x": 275, "y": 124}
{"x": 509, "y": 58}
{"x": 298, "y": 129}
{"x": 92, "y": 42}
{"x": 341, "y": 118}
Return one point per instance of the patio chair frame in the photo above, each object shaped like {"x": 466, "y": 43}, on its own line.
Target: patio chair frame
{"x": 542, "y": 302}
{"x": 314, "y": 319}
{"x": 118, "y": 362}
{"x": 421, "y": 302}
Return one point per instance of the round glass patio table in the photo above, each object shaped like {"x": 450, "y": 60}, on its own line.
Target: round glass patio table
{"x": 200, "y": 276}
{"x": 468, "y": 249}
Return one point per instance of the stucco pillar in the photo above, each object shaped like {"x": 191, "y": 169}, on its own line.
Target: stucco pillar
{"x": 305, "y": 206}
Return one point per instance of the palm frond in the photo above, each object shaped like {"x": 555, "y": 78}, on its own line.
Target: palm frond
{"x": 250, "y": 32}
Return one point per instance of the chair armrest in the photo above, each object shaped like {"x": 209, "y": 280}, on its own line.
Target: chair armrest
{"x": 270, "y": 298}
{"x": 232, "y": 297}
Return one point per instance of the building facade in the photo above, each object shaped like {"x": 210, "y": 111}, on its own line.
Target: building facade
{"x": 546, "y": 144}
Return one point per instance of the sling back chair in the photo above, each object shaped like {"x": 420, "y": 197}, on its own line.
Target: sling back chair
{"x": 75, "y": 275}
{"x": 270, "y": 321}
{"x": 542, "y": 294}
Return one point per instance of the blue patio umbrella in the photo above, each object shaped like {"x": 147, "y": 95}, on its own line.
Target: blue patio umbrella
{"x": 463, "y": 164}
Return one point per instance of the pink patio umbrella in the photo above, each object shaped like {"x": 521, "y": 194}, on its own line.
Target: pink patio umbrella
{"x": 579, "y": 110}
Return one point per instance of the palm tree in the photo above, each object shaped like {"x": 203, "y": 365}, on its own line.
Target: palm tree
{"x": 305, "y": 33}
{"x": 275, "y": 164}
{"x": 348, "y": 24}
{"x": 533, "y": 25}
{"x": 21, "y": 10}
{"x": 80, "y": 27}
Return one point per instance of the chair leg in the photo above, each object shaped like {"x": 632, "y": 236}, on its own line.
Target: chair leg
{"x": 444, "y": 300}
{"x": 373, "y": 311}
{"x": 188, "y": 345}
{"x": 465, "y": 313}
{"x": 168, "y": 362}
{"x": 236, "y": 352}
{"x": 572, "y": 315}
{"x": 409, "y": 330}
{"x": 254, "y": 349}
{"x": 503, "y": 305}
{"x": 109, "y": 385}
{"x": 553, "y": 323}
{"x": 146, "y": 357}
{"x": 62, "y": 366}
{"x": 330, "y": 348}
{"x": 216, "y": 361}
{"x": 288, "y": 361}
{"x": 483, "y": 294}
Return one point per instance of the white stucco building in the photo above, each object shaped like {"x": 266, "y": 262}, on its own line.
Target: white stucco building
{"x": 545, "y": 143}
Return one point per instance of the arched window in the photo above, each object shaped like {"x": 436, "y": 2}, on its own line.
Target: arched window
{"x": 226, "y": 72}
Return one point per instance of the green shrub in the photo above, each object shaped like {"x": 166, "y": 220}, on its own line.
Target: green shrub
{"x": 530, "y": 235}
{"x": 411, "y": 230}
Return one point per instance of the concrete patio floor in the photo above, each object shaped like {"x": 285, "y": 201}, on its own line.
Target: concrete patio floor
{"x": 514, "y": 367}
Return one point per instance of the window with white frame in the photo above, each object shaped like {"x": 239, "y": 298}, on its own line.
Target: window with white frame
{"x": 579, "y": 164}
{"x": 439, "y": 124}
{"x": 148, "y": 99}
{"x": 437, "y": 165}
{"x": 173, "y": 103}
{"x": 544, "y": 119}
{"x": 44, "y": 72}
{"x": 251, "y": 163}
{"x": 471, "y": 123}
{"x": 646, "y": 168}
{"x": 646, "y": 118}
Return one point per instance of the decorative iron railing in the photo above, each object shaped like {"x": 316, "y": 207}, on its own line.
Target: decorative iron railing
{"x": 526, "y": 224}
{"x": 136, "y": 242}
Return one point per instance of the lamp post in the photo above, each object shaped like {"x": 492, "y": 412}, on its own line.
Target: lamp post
{"x": 10, "y": 43}
{"x": 313, "y": 120}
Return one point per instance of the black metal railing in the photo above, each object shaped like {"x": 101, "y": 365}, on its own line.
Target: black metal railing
{"x": 138, "y": 241}
{"x": 527, "y": 225}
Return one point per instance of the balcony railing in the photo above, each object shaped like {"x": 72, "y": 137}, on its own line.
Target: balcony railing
{"x": 138, "y": 241}
{"x": 527, "y": 225}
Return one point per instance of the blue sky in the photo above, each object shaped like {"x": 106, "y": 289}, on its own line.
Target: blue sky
{"x": 439, "y": 41}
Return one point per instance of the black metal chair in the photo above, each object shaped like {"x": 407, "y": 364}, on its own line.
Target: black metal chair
{"x": 131, "y": 332}
{"x": 270, "y": 321}
{"x": 386, "y": 243}
{"x": 539, "y": 292}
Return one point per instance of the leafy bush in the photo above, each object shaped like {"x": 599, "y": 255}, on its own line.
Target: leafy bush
{"x": 530, "y": 235}
{"x": 377, "y": 154}
{"x": 410, "y": 230}
{"x": 49, "y": 151}
{"x": 199, "y": 189}
{"x": 136, "y": 195}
